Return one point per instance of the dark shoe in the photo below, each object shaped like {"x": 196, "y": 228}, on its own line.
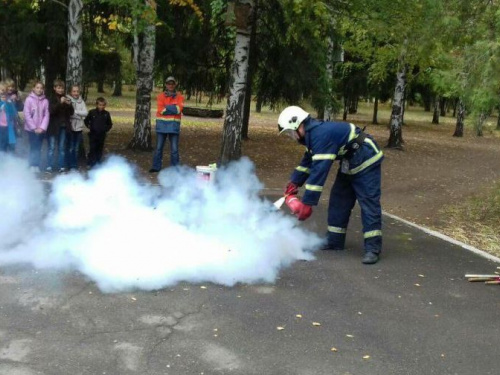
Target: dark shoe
{"x": 370, "y": 258}
{"x": 152, "y": 170}
{"x": 329, "y": 247}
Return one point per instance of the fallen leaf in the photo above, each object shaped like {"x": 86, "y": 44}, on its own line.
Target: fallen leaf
{"x": 366, "y": 357}
{"x": 351, "y": 336}
{"x": 133, "y": 299}
{"x": 203, "y": 287}
{"x": 417, "y": 284}
{"x": 421, "y": 276}
{"x": 280, "y": 328}
{"x": 316, "y": 324}
{"x": 298, "y": 316}
{"x": 334, "y": 349}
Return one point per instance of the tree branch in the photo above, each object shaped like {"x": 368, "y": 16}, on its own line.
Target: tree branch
{"x": 60, "y": 3}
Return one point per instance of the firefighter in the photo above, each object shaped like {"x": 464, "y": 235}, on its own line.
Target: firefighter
{"x": 358, "y": 177}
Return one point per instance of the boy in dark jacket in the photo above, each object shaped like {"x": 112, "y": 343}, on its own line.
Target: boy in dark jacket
{"x": 99, "y": 123}
{"x": 60, "y": 110}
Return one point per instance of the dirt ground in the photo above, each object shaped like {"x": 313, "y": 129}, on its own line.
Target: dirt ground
{"x": 435, "y": 171}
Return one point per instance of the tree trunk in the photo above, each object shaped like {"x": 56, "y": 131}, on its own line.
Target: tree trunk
{"x": 459, "y": 128}
{"x": 233, "y": 123}
{"x": 346, "y": 105}
{"x": 455, "y": 105}
{"x": 443, "y": 107}
{"x": 144, "y": 53}
{"x": 479, "y": 124}
{"x": 251, "y": 68}
{"x": 353, "y": 105}
{"x": 375, "y": 112}
{"x": 435, "y": 115}
{"x": 75, "y": 47}
{"x": 396, "y": 130}
{"x": 117, "y": 90}
{"x": 498, "y": 121}
{"x": 258, "y": 104}
{"x": 100, "y": 86}
{"x": 427, "y": 103}
{"x": 335, "y": 54}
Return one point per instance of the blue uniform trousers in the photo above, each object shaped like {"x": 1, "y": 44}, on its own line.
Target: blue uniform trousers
{"x": 365, "y": 188}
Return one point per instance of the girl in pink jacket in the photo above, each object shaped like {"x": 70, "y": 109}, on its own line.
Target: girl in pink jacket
{"x": 36, "y": 120}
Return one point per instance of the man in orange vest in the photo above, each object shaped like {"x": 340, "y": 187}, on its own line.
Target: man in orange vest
{"x": 168, "y": 123}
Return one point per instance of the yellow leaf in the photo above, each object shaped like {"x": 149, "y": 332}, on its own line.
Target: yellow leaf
{"x": 351, "y": 336}
{"x": 298, "y": 316}
{"x": 334, "y": 349}
{"x": 316, "y": 324}
{"x": 280, "y": 328}
{"x": 366, "y": 357}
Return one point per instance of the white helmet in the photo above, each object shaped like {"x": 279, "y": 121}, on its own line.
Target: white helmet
{"x": 291, "y": 118}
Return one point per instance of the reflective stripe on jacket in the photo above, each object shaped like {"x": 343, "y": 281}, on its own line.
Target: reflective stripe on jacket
{"x": 169, "y": 112}
{"x": 326, "y": 141}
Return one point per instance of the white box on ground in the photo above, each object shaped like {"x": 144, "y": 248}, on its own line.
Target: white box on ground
{"x": 206, "y": 173}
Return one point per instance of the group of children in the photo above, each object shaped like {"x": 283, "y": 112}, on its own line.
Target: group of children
{"x": 59, "y": 119}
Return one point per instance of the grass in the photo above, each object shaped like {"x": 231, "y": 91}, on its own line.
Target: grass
{"x": 476, "y": 221}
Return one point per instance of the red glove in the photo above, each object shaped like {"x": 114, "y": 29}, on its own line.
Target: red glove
{"x": 291, "y": 189}
{"x": 299, "y": 209}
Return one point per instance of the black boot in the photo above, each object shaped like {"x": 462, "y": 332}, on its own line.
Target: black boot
{"x": 330, "y": 247}
{"x": 370, "y": 258}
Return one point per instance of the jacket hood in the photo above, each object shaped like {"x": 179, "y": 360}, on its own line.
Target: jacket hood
{"x": 36, "y": 97}
{"x": 77, "y": 100}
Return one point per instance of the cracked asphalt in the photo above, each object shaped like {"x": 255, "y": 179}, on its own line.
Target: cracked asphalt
{"x": 412, "y": 313}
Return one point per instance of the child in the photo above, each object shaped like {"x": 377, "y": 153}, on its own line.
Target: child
{"x": 13, "y": 94}
{"x": 36, "y": 120}
{"x": 7, "y": 122}
{"x": 99, "y": 122}
{"x": 60, "y": 114}
{"x": 75, "y": 135}
{"x": 14, "y": 97}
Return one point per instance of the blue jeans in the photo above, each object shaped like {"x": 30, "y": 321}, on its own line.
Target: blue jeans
{"x": 4, "y": 138}
{"x": 35, "y": 148}
{"x": 174, "y": 149}
{"x": 75, "y": 138}
{"x": 61, "y": 148}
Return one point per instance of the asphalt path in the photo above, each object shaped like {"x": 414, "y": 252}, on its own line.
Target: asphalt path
{"x": 411, "y": 313}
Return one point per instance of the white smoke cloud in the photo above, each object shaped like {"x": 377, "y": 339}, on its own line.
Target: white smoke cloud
{"x": 126, "y": 234}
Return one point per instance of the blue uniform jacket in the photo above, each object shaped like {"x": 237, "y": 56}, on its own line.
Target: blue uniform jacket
{"x": 326, "y": 141}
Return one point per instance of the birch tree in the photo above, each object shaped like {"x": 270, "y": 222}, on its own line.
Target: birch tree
{"x": 75, "y": 46}
{"x": 233, "y": 123}
{"x": 144, "y": 55}
{"x": 396, "y": 124}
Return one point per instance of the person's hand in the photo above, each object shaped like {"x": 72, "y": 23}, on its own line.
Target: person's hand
{"x": 38, "y": 130}
{"x": 291, "y": 189}
{"x": 299, "y": 209}
{"x": 305, "y": 212}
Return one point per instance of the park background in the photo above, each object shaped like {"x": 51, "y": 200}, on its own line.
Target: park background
{"x": 427, "y": 69}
